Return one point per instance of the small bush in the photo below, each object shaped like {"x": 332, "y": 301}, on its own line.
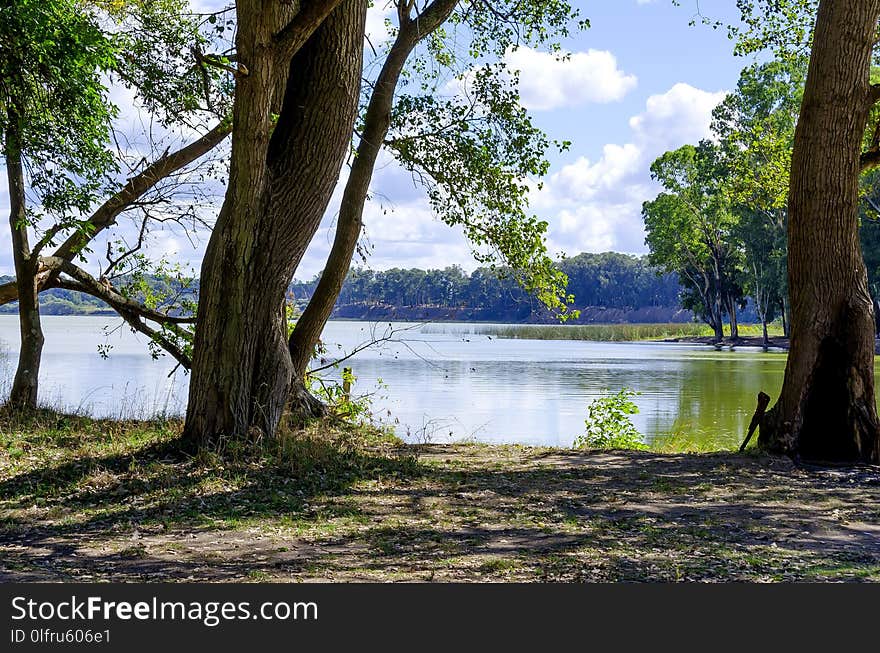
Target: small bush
{"x": 608, "y": 423}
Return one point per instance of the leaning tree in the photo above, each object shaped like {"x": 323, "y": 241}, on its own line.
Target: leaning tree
{"x": 73, "y": 175}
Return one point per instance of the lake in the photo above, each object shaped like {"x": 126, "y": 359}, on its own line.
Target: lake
{"x": 438, "y": 382}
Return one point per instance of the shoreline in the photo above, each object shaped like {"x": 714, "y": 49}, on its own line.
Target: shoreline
{"x": 743, "y": 341}
{"x": 757, "y": 342}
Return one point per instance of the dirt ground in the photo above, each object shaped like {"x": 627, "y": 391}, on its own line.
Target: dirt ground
{"x": 451, "y": 513}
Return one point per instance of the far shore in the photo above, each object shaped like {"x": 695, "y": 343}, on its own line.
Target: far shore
{"x": 727, "y": 343}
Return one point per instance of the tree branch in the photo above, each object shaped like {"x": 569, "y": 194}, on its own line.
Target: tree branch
{"x": 136, "y": 323}
{"x": 105, "y": 291}
{"x": 105, "y": 216}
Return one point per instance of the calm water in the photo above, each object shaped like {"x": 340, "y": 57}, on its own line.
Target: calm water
{"x": 443, "y": 381}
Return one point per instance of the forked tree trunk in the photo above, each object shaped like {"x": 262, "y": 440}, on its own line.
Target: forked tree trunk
{"x": 23, "y": 394}
{"x": 281, "y": 180}
{"x": 826, "y": 409}
{"x": 377, "y": 121}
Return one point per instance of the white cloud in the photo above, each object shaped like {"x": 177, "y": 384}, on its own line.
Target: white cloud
{"x": 596, "y": 206}
{"x": 400, "y": 229}
{"x": 377, "y": 30}
{"x": 681, "y": 115}
{"x": 591, "y": 205}
{"x": 548, "y": 81}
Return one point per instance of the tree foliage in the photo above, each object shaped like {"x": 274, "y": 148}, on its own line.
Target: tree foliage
{"x": 459, "y": 127}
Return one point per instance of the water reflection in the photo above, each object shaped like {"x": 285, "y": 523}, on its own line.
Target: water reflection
{"x": 448, "y": 381}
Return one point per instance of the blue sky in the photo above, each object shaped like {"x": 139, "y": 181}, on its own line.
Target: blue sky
{"x": 640, "y": 81}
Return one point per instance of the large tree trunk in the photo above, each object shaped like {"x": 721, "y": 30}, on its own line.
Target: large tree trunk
{"x": 826, "y": 409}
{"x": 377, "y": 121}
{"x": 281, "y": 180}
{"x": 25, "y": 384}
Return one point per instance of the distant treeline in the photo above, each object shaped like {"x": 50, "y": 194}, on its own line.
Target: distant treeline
{"x": 608, "y": 288}
{"x": 58, "y": 301}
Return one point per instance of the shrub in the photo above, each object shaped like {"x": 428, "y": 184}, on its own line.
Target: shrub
{"x": 608, "y": 425}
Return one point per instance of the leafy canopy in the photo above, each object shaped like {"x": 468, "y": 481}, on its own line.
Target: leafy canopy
{"x": 458, "y": 125}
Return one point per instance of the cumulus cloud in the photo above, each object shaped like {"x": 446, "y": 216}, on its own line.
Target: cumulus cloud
{"x": 596, "y": 205}
{"x": 548, "y": 81}
{"x": 400, "y": 229}
{"x": 680, "y": 115}
{"x": 377, "y": 30}
{"x": 590, "y": 204}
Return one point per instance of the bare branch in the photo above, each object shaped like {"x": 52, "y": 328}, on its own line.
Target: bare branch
{"x": 136, "y": 323}
{"x": 102, "y": 289}
{"x": 133, "y": 190}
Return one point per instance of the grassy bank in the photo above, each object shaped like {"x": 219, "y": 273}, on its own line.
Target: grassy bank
{"x": 616, "y": 332}
{"x": 102, "y": 500}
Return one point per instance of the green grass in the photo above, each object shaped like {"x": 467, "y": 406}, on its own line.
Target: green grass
{"x": 114, "y": 500}
{"x": 72, "y": 465}
{"x": 616, "y": 332}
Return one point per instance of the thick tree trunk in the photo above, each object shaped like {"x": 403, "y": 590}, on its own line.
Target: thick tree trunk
{"x": 377, "y": 120}
{"x": 765, "y": 336}
{"x": 826, "y": 409}
{"x": 25, "y": 384}
{"x": 281, "y": 180}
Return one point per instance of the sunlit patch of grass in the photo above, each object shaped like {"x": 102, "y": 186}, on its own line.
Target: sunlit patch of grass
{"x": 499, "y": 565}
{"x": 692, "y": 440}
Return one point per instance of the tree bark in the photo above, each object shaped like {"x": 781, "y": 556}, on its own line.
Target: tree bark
{"x": 377, "y": 121}
{"x": 826, "y": 409}
{"x": 734, "y": 324}
{"x": 281, "y": 180}
{"x": 26, "y": 382}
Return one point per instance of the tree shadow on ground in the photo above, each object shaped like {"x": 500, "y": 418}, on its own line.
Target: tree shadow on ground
{"x": 459, "y": 513}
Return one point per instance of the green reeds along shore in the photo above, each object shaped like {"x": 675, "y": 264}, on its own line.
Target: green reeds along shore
{"x": 616, "y": 332}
